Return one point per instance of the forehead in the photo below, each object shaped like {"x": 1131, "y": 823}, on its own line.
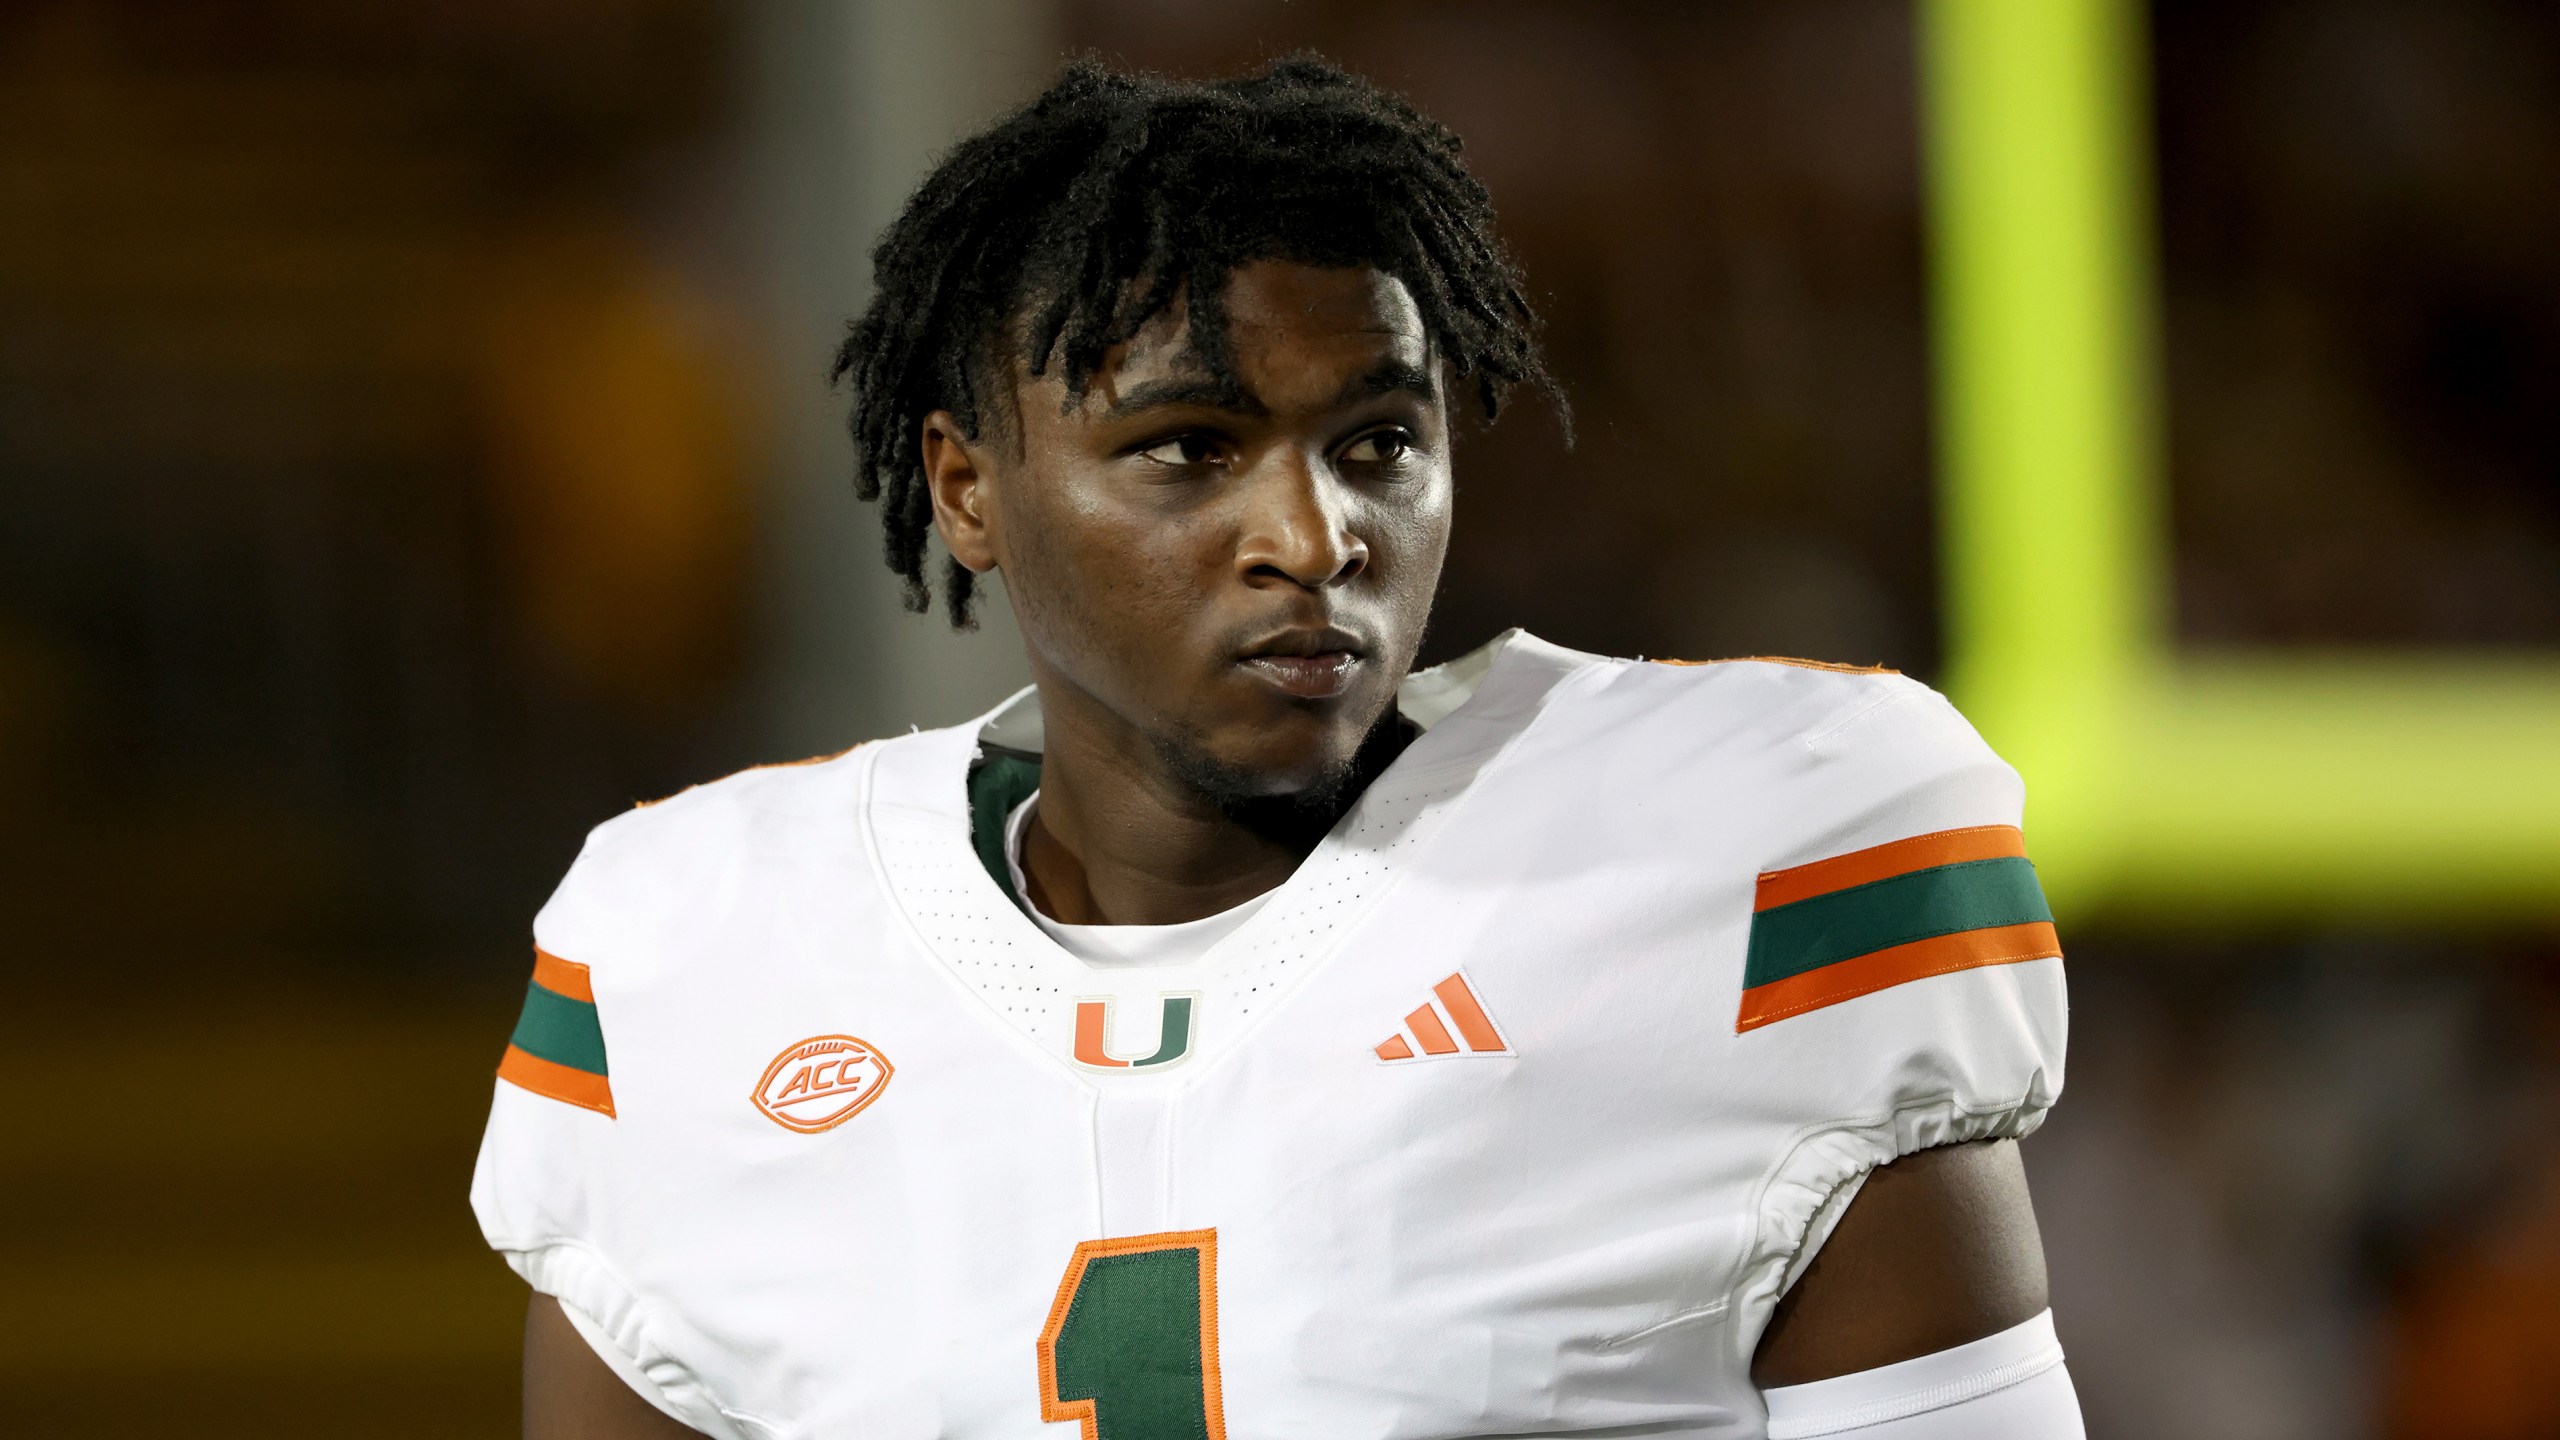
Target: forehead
{"x": 1296, "y": 334}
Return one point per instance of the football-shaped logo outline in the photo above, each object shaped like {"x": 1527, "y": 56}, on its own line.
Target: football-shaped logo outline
{"x": 855, "y": 1049}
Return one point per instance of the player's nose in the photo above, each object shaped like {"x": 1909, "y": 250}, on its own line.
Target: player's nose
{"x": 1298, "y": 525}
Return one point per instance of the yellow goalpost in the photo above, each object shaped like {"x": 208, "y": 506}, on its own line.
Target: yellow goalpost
{"x": 2165, "y": 785}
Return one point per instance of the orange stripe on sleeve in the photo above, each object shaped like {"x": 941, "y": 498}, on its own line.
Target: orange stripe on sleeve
{"x": 1883, "y": 862}
{"x": 1474, "y": 1025}
{"x": 556, "y": 1082}
{"x": 1894, "y": 965}
{"x": 562, "y": 977}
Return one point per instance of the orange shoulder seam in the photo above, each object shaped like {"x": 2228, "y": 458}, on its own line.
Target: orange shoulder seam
{"x": 750, "y": 770}
{"x": 1832, "y": 665}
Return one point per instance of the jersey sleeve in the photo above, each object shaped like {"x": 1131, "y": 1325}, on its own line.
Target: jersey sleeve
{"x": 557, "y": 1157}
{"x": 1902, "y": 983}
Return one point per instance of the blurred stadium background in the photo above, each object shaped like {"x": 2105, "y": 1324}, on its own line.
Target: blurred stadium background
{"x": 414, "y": 448}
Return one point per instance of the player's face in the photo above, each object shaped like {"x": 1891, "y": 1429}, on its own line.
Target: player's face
{"x": 1239, "y": 575}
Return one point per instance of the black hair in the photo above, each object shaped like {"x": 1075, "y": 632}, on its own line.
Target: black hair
{"x": 1060, "y": 231}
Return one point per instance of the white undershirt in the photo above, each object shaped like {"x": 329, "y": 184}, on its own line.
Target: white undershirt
{"x": 2008, "y": 1386}
{"x": 1116, "y": 947}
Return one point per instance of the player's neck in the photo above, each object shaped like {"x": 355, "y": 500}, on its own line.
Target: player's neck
{"x": 1120, "y": 838}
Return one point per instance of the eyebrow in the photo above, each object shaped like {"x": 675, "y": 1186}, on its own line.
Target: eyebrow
{"x": 1389, "y": 377}
{"x": 1205, "y": 391}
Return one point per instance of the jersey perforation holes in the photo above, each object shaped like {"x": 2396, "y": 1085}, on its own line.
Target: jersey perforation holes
{"x": 1388, "y": 825}
{"x": 950, "y": 910}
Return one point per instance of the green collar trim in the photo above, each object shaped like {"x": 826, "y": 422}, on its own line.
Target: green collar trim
{"x": 998, "y": 783}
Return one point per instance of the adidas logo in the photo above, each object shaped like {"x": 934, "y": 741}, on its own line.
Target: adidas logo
{"x": 1452, "y": 1022}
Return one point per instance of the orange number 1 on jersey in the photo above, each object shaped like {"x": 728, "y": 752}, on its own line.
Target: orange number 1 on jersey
{"x": 1131, "y": 1348}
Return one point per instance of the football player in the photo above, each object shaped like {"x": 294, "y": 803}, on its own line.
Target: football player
{"x": 1237, "y": 1033}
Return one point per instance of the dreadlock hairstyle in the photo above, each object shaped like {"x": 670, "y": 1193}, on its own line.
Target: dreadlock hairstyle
{"x": 1059, "y": 232}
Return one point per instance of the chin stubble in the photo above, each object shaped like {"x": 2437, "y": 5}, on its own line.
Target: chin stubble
{"x": 1240, "y": 794}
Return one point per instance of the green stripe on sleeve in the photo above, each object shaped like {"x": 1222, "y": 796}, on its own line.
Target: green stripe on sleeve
{"x": 1942, "y": 900}
{"x": 560, "y": 1030}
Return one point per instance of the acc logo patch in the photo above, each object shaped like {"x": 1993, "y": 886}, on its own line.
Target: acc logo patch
{"x": 822, "y": 1082}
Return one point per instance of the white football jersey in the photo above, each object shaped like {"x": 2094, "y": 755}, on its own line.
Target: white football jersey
{"x": 1511, "y": 1113}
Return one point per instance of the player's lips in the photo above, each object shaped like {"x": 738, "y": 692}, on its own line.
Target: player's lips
{"x": 1312, "y": 664}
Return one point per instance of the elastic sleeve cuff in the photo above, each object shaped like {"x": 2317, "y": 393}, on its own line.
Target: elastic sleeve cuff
{"x": 623, "y": 1366}
{"x": 1817, "y": 1230}
{"x": 604, "y": 1313}
{"x": 1812, "y": 1187}
{"x": 1915, "y": 1387}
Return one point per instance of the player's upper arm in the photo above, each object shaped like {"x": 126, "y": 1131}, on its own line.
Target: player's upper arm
{"x": 1939, "y": 1249}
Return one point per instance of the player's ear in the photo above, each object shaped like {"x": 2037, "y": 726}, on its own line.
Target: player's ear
{"x": 955, "y": 468}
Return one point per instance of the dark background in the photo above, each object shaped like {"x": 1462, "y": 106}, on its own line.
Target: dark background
{"x": 414, "y": 449}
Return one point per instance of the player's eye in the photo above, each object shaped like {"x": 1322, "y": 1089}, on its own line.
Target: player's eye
{"x": 1186, "y": 451}
{"x": 1379, "y": 447}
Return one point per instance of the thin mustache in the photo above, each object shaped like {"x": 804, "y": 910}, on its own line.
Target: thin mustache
{"x": 1301, "y": 641}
